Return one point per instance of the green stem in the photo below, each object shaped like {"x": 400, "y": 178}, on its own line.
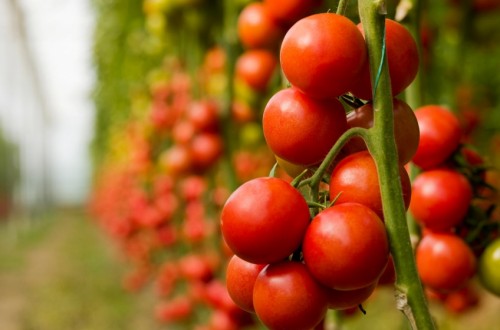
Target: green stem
{"x": 342, "y": 7}
{"x": 410, "y": 298}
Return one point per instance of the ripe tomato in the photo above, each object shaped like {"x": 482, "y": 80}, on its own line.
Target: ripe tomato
{"x": 206, "y": 148}
{"x": 346, "y": 247}
{"x": 489, "y": 267}
{"x": 286, "y": 296}
{"x": 402, "y": 58}
{"x": 264, "y": 220}
{"x": 323, "y": 54}
{"x": 203, "y": 115}
{"x": 440, "y": 198}
{"x": 300, "y": 129}
{"x": 345, "y": 299}
{"x": 355, "y": 179}
{"x": 257, "y": 29}
{"x": 445, "y": 262}
{"x": 256, "y": 68}
{"x": 406, "y": 132}
{"x": 290, "y": 11}
{"x": 240, "y": 280}
{"x": 440, "y": 135}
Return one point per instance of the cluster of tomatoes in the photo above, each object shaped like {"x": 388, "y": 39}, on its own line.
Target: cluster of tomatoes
{"x": 450, "y": 203}
{"x": 296, "y": 258}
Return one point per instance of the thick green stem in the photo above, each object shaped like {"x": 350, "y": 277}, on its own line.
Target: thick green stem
{"x": 410, "y": 298}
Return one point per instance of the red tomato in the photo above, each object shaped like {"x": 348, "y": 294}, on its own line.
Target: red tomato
{"x": 203, "y": 115}
{"x": 240, "y": 280}
{"x": 445, "y": 262}
{"x": 388, "y": 277}
{"x": 256, "y": 68}
{"x": 402, "y": 58}
{"x": 440, "y": 135}
{"x": 300, "y": 129}
{"x": 290, "y": 11}
{"x": 355, "y": 179}
{"x": 440, "y": 198}
{"x": 406, "y": 132}
{"x": 346, "y": 247}
{"x": 345, "y": 299}
{"x": 257, "y": 29}
{"x": 264, "y": 220}
{"x": 286, "y": 296}
{"x": 206, "y": 148}
{"x": 323, "y": 54}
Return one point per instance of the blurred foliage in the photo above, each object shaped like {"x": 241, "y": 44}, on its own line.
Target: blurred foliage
{"x": 9, "y": 174}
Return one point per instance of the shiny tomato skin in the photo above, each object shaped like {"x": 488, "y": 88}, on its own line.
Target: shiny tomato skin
{"x": 345, "y": 299}
{"x": 402, "y": 58}
{"x": 489, "y": 267}
{"x": 440, "y": 198}
{"x": 264, "y": 220}
{"x": 406, "y": 132}
{"x": 256, "y": 68}
{"x": 440, "y": 136}
{"x": 346, "y": 247}
{"x": 290, "y": 11}
{"x": 323, "y": 54}
{"x": 355, "y": 179}
{"x": 240, "y": 280}
{"x": 257, "y": 29}
{"x": 286, "y": 296}
{"x": 300, "y": 129}
{"x": 445, "y": 262}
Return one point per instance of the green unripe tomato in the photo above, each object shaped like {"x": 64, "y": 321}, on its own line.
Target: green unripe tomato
{"x": 489, "y": 267}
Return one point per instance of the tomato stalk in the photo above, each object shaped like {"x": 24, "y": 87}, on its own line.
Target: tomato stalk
{"x": 410, "y": 298}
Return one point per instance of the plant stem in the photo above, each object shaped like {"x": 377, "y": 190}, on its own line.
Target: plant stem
{"x": 342, "y": 6}
{"x": 409, "y": 293}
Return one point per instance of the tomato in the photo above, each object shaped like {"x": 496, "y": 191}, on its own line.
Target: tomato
{"x": 286, "y": 297}
{"x": 346, "y": 247}
{"x": 440, "y": 198}
{"x": 176, "y": 309}
{"x": 257, "y": 29}
{"x": 290, "y": 11}
{"x": 240, "y": 280}
{"x": 355, "y": 179}
{"x": 323, "y": 54}
{"x": 256, "y": 68}
{"x": 206, "y": 148}
{"x": 291, "y": 169}
{"x": 388, "y": 277}
{"x": 440, "y": 135}
{"x": 406, "y": 132}
{"x": 183, "y": 132}
{"x": 300, "y": 129}
{"x": 264, "y": 220}
{"x": 402, "y": 58}
{"x": 489, "y": 267}
{"x": 203, "y": 115}
{"x": 445, "y": 262}
{"x": 345, "y": 299}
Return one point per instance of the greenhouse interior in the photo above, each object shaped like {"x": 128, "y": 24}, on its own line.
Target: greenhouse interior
{"x": 249, "y": 165}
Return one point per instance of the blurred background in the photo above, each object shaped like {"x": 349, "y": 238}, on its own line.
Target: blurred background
{"x": 113, "y": 168}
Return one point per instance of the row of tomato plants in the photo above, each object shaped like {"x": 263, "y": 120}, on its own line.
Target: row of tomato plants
{"x": 317, "y": 221}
